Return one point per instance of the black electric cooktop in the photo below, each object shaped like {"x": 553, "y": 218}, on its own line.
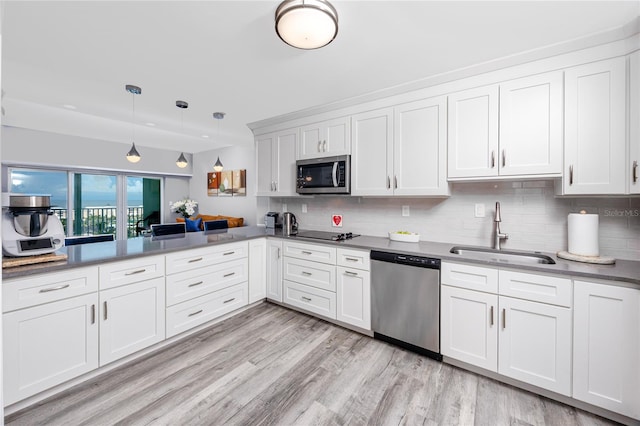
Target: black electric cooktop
{"x": 327, "y": 236}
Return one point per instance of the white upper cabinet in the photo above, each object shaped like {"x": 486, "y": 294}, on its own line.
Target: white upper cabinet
{"x": 276, "y": 163}
{"x": 473, "y": 133}
{"x": 510, "y": 129}
{"x": 634, "y": 121}
{"x": 324, "y": 139}
{"x": 594, "y": 144}
{"x": 530, "y": 135}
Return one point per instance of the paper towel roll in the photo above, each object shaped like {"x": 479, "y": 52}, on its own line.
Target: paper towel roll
{"x": 583, "y": 234}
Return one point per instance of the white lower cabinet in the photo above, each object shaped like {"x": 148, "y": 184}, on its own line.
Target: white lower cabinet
{"x": 257, "y": 270}
{"x": 48, "y": 344}
{"x": 274, "y": 270}
{"x": 132, "y": 317}
{"x": 353, "y": 282}
{"x": 312, "y": 299}
{"x": 606, "y": 347}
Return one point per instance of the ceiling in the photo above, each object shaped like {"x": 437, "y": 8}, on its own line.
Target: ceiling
{"x": 225, "y": 56}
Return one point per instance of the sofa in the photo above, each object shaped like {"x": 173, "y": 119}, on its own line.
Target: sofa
{"x": 232, "y": 221}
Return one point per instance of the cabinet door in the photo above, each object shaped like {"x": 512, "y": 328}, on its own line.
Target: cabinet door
{"x": 535, "y": 344}
{"x": 264, "y": 164}
{"x": 594, "y": 139}
{"x": 131, "y": 319}
{"x": 372, "y": 146}
{"x": 469, "y": 328}
{"x": 284, "y": 166}
{"x": 354, "y": 297}
{"x": 606, "y": 347}
{"x": 531, "y": 125}
{"x": 420, "y": 148}
{"x": 634, "y": 122}
{"x": 473, "y": 133}
{"x": 257, "y": 270}
{"x": 327, "y": 138}
{"x": 274, "y": 270}
{"x": 49, "y": 344}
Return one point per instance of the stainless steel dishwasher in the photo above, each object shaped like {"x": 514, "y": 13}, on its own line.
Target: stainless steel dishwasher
{"x": 405, "y": 301}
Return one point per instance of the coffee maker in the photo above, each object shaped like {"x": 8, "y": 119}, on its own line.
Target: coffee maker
{"x": 29, "y": 226}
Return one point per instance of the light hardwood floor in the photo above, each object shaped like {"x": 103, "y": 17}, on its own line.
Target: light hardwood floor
{"x": 273, "y": 366}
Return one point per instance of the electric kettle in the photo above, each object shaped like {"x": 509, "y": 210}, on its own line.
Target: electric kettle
{"x": 289, "y": 224}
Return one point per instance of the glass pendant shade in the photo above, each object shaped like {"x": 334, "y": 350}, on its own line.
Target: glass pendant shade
{"x": 182, "y": 161}
{"x": 306, "y": 24}
{"x": 133, "y": 155}
{"x": 218, "y": 166}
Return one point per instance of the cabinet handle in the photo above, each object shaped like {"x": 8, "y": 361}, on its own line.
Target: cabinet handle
{"x": 195, "y": 284}
{"x": 635, "y": 171}
{"x": 139, "y": 271}
{"x": 308, "y": 253}
{"x": 196, "y": 313}
{"x": 93, "y": 314}
{"x": 504, "y": 158}
{"x": 306, "y": 299}
{"x": 319, "y": 145}
{"x": 104, "y": 305}
{"x": 60, "y": 287}
{"x": 228, "y": 275}
{"x": 278, "y": 252}
{"x": 271, "y": 186}
{"x": 324, "y": 146}
{"x": 395, "y": 182}
{"x": 491, "y": 316}
{"x": 228, "y": 253}
{"x": 353, "y": 274}
{"x": 504, "y": 319}
{"x": 195, "y": 260}
{"x": 275, "y": 186}
{"x": 388, "y": 182}
{"x": 351, "y": 259}
{"x": 308, "y": 274}
{"x": 493, "y": 159}
{"x": 229, "y": 300}
{"x": 571, "y": 174}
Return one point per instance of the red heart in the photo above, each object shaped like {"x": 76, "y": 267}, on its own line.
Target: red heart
{"x": 337, "y": 219}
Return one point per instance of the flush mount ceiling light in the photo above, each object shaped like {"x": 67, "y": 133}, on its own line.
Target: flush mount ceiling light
{"x": 306, "y": 24}
{"x": 133, "y": 155}
{"x": 182, "y": 161}
{"x": 218, "y": 116}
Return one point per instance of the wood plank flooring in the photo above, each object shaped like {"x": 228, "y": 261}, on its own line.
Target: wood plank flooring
{"x": 273, "y": 366}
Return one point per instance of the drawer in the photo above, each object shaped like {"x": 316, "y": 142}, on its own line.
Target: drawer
{"x": 198, "y": 258}
{"x": 470, "y": 277}
{"x": 315, "y": 274}
{"x": 189, "y": 314}
{"x": 314, "y": 252}
{"x": 310, "y": 299}
{"x": 357, "y": 259}
{"x": 537, "y": 288}
{"x": 191, "y": 284}
{"x": 131, "y": 271}
{"x": 21, "y": 293}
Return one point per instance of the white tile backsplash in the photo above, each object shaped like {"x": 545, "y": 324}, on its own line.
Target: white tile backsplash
{"x": 532, "y": 216}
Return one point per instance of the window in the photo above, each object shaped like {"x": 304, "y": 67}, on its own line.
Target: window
{"x": 94, "y": 199}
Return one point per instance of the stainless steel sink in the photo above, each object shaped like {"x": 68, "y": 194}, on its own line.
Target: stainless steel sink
{"x": 506, "y": 256}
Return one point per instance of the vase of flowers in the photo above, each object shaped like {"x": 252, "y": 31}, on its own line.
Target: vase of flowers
{"x": 186, "y": 207}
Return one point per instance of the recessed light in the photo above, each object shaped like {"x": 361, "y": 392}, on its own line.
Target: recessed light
{"x": 205, "y": 136}
{"x": 69, "y": 106}
{"x": 150, "y": 124}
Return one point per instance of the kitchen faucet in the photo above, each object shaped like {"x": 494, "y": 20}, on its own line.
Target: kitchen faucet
{"x": 498, "y": 235}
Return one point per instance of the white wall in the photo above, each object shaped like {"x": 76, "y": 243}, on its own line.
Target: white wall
{"x": 232, "y": 158}
{"x": 532, "y": 215}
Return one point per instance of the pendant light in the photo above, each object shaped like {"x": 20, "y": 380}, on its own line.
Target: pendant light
{"x": 182, "y": 161}
{"x": 133, "y": 155}
{"x": 306, "y": 24}
{"x": 218, "y": 116}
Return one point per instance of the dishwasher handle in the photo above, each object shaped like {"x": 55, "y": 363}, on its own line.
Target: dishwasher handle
{"x": 405, "y": 259}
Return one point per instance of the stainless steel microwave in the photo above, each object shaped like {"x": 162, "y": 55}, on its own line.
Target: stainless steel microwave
{"x": 328, "y": 175}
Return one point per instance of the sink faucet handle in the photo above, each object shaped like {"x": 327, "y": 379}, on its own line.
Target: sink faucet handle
{"x": 497, "y": 217}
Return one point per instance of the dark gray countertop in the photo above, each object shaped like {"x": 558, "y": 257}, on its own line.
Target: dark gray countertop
{"x": 623, "y": 271}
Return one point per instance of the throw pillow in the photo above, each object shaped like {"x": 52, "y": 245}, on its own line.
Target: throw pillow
{"x": 193, "y": 225}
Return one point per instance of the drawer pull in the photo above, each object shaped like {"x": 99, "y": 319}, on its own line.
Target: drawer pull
{"x": 305, "y": 299}
{"x": 353, "y": 274}
{"x": 351, "y": 259}
{"x": 195, "y": 260}
{"x": 60, "y": 287}
{"x": 308, "y": 253}
{"x": 229, "y": 300}
{"x": 196, "y": 313}
{"x": 228, "y": 253}
{"x": 105, "y": 310}
{"x": 228, "y": 275}
{"x": 195, "y": 284}
{"x": 139, "y": 271}
{"x": 308, "y": 274}
{"x": 93, "y": 314}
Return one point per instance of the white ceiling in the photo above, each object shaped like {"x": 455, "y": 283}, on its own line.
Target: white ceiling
{"x": 225, "y": 56}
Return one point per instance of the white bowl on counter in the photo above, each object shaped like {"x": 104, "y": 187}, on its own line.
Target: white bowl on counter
{"x": 411, "y": 237}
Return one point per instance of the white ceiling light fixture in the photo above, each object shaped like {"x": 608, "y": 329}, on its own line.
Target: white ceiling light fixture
{"x": 218, "y": 165}
{"x": 133, "y": 155}
{"x": 182, "y": 161}
{"x": 306, "y": 24}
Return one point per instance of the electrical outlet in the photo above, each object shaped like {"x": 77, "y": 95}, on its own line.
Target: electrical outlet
{"x": 284, "y": 207}
{"x": 479, "y": 211}
{"x": 405, "y": 211}
{"x": 304, "y": 208}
